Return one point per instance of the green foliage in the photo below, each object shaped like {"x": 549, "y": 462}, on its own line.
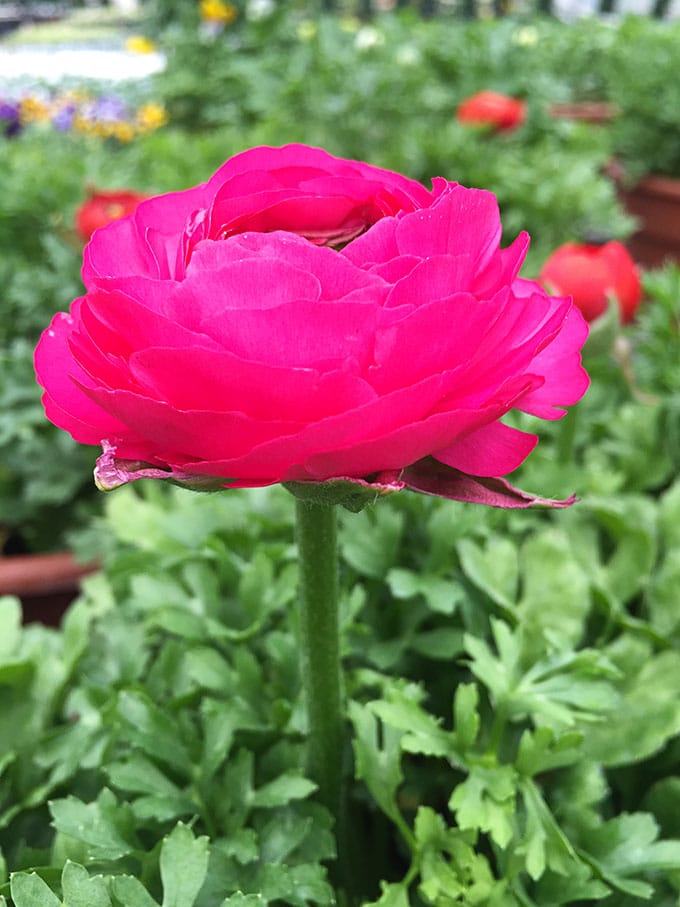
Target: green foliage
{"x": 512, "y": 684}
{"x": 645, "y": 134}
{"x": 512, "y": 678}
{"x": 387, "y": 92}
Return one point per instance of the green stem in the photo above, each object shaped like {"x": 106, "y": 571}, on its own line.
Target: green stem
{"x": 567, "y": 436}
{"x": 320, "y": 651}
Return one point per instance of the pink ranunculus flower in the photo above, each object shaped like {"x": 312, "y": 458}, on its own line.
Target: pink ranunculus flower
{"x": 301, "y": 318}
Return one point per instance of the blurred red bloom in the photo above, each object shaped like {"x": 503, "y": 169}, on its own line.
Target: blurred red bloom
{"x": 590, "y": 273}
{"x": 103, "y": 207}
{"x": 490, "y": 108}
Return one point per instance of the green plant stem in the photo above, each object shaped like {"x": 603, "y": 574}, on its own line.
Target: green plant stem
{"x": 320, "y": 651}
{"x": 567, "y": 435}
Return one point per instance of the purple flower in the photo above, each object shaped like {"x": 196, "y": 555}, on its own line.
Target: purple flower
{"x": 108, "y": 108}
{"x": 10, "y": 121}
{"x": 63, "y": 119}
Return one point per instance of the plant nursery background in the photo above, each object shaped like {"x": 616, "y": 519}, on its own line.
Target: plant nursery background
{"x": 512, "y": 677}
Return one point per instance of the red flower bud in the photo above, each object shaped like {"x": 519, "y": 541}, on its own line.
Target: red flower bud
{"x": 103, "y": 207}
{"x": 590, "y": 274}
{"x": 489, "y": 108}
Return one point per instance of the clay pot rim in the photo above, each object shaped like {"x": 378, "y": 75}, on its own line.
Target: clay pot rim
{"x": 589, "y": 111}
{"x": 42, "y": 574}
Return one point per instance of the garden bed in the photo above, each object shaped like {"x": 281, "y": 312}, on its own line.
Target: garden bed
{"x": 511, "y": 679}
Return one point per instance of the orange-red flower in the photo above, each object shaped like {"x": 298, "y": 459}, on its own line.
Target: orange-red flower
{"x": 103, "y": 207}
{"x": 490, "y": 108}
{"x": 590, "y": 274}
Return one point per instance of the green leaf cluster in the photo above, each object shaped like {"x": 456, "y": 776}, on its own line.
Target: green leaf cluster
{"x": 512, "y": 681}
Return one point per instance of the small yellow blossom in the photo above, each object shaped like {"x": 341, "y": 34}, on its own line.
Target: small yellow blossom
{"x": 526, "y": 36}
{"x": 139, "y": 44}
{"x": 33, "y": 110}
{"x": 217, "y": 11}
{"x": 306, "y": 30}
{"x": 151, "y": 116}
{"x": 350, "y": 24}
{"x": 123, "y": 131}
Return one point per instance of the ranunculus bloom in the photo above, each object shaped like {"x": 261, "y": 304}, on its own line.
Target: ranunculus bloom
{"x": 489, "y": 108}
{"x": 302, "y": 318}
{"x": 103, "y": 207}
{"x": 590, "y": 274}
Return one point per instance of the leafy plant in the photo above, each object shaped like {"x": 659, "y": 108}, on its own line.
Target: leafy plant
{"x": 512, "y": 684}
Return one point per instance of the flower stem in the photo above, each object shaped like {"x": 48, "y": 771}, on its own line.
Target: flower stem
{"x": 320, "y": 650}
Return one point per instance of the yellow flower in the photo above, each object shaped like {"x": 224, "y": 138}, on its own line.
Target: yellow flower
{"x": 306, "y": 30}
{"x": 123, "y": 131}
{"x": 526, "y": 37}
{"x": 217, "y": 11}
{"x": 33, "y": 110}
{"x": 350, "y": 24}
{"x": 151, "y": 116}
{"x": 138, "y": 44}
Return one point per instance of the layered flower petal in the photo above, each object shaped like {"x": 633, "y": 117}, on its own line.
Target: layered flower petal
{"x": 305, "y": 319}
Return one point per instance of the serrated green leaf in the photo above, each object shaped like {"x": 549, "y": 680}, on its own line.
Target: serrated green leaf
{"x": 130, "y": 892}
{"x": 648, "y": 714}
{"x": 153, "y": 730}
{"x": 104, "y": 825}
{"x": 369, "y": 540}
{"x": 244, "y": 900}
{"x": 466, "y": 720}
{"x": 421, "y": 731}
{"x": 442, "y": 595}
{"x": 10, "y": 625}
{"x": 392, "y": 894}
{"x": 29, "y": 890}
{"x": 310, "y": 884}
{"x": 626, "y": 847}
{"x": 138, "y": 774}
{"x": 378, "y": 758}
{"x": 79, "y": 889}
{"x": 443, "y": 644}
{"x": 555, "y": 593}
{"x": 486, "y": 801}
{"x": 631, "y": 522}
{"x": 541, "y": 750}
{"x": 183, "y": 866}
{"x": 493, "y": 569}
{"x": 546, "y": 844}
{"x": 282, "y": 790}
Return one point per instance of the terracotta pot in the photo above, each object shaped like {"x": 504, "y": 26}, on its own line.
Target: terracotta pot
{"x": 45, "y": 583}
{"x": 655, "y": 202}
{"x": 588, "y": 111}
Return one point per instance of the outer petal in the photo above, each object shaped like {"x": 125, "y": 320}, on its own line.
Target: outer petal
{"x": 492, "y": 450}
{"x": 121, "y": 247}
{"x": 65, "y": 404}
{"x": 430, "y": 477}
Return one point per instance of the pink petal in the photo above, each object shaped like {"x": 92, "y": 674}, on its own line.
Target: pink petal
{"x": 120, "y": 248}
{"x": 58, "y": 373}
{"x": 566, "y": 381}
{"x": 300, "y": 333}
{"x": 460, "y": 222}
{"x": 181, "y": 436}
{"x": 194, "y": 379}
{"x": 492, "y": 450}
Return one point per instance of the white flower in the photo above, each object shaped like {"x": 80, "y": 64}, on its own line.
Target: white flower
{"x": 259, "y": 9}
{"x": 407, "y": 55}
{"x": 368, "y": 37}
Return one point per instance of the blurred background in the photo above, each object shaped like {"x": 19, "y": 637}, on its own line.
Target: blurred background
{"x": 568, "y": 110}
